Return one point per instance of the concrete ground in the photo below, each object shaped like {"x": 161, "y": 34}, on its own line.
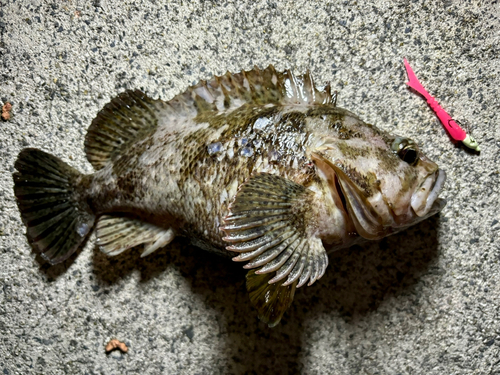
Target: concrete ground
{"x": 423, "y": 301}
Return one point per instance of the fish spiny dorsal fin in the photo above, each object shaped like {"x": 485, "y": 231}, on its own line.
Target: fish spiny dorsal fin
{"x": 269, "y": 86}
{"x": 256, "y": 87}
{"x": 128, "y": 118}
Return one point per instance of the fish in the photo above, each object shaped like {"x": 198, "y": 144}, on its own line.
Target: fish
{"x": 261, "y": 166}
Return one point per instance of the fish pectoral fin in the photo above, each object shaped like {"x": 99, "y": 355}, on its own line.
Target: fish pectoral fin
{"x": 272, "y": 223}
{"x": 270, "y": 300}
{"x": 115, "y": 234}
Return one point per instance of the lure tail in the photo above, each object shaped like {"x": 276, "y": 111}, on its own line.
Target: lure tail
{"x": 57, "y": 217}
{"x": 413, "y": 81}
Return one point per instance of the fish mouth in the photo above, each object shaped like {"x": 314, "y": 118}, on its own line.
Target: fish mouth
{"x": 424, "y": 198}
{"x": 369, "y": 223}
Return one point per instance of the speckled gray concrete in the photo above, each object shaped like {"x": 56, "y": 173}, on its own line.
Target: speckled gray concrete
{"x": 423, "y": 301}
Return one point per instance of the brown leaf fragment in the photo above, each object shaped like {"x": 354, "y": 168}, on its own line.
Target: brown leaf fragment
{"x": 114, "y": 344}
{"x": 6, "y": 111}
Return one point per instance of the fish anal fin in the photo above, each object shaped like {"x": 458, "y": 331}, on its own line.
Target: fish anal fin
{"x": 164, "y": 238}
{"x": 116, "y": 234}
{"x": 270, "y": 300}
{"x": 127, "y": 119}
{"x": 272, "y": 223}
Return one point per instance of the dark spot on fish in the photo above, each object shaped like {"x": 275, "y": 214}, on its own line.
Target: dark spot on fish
{"x": 203, "y": 106}
{"x": 291, "y": 122}
{"x": 336, "y": 118}
{"x": 367, "y": 183}
{"x": 353, "y": 152}
{"x": 342, "y": 131}
{"x": 387, "y": 160}
{"x": 126, "y": 184}
{"x": 128, "y": 158}
{"x": 408, "y": 180}
{"x": 333, "y": 113}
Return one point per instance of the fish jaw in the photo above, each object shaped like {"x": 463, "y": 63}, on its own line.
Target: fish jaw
{"x": 423, "y": 199}
{"x": 336, "y": 229}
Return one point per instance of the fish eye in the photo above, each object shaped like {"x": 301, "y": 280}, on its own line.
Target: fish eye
{"x": 409, "y": 155}
{"x": 406, "y": 149}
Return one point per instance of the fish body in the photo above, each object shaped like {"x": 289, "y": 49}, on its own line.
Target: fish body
{"x": 259, "y": 164}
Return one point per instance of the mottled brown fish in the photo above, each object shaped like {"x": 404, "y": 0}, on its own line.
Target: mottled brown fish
{"x": 260, "y": 163}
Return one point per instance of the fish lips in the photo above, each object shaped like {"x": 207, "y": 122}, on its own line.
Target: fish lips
{"x": 423, "y": 199}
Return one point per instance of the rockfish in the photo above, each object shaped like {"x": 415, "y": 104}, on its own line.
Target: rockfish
{"x": 259, "y": 163}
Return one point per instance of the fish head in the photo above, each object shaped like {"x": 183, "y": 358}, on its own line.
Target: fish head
{"x": 383, "y": 183}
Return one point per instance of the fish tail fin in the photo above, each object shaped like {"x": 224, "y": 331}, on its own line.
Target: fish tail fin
{"x": 270, "y": 300}
{"x": 53, "y": 208}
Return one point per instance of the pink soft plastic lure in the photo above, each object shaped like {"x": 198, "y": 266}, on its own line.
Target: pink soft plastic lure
{"x": 456, "y": 132}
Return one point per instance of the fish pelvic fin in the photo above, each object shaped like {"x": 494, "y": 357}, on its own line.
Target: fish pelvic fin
{"x": 53, "y": 208}
{"x": 115, "y": 234}
{"x": 127, "y": 119}
{"x": 270, "y": 300}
